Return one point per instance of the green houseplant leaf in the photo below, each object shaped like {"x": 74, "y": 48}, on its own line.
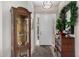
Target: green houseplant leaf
{"x": 59, "y": 24}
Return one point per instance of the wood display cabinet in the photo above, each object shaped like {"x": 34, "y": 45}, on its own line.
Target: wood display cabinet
{"x": 21, "y": 32}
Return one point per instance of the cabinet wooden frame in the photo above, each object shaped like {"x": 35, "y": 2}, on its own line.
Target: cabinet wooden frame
{"x": 23, "y": 12}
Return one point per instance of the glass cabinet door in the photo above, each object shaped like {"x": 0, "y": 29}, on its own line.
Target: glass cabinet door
{"x": 21, "y": 30}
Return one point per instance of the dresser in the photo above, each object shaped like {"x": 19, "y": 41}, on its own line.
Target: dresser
{"x": 68, "y": 47}
{"x": 65, "y": 46}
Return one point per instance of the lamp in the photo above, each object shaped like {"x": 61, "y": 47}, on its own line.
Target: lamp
{"x": 47, "y": 4}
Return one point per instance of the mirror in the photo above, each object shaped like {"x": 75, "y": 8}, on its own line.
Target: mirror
{"x": 68, "y": 15}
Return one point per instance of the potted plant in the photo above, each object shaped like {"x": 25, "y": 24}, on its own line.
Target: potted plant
{"x": 59, "y": 26}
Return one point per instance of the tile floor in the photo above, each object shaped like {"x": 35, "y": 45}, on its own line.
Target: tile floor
{"x": 42, "y": 51}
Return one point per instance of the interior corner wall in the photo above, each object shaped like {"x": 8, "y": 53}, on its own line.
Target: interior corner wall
{"x": 77, "y": 35}
{"x": 1, "y": 29}
{"x": 6, "y": 6}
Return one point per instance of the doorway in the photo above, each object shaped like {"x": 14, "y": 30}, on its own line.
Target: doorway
{"x": 44, "y": 37}
{"x": 46, "y": 29}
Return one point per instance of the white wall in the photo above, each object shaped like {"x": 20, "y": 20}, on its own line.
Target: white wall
{"x": 0, "y": 29}
{"x": 61, "y": 5}
{"x": 77, "y": 35}
{"x": 7, "y": 23}
{"x": 30, "y": 7}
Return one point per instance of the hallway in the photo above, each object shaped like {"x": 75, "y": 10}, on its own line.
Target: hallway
{"x": 40, "y": 29}
{"x": 42, "y": 51}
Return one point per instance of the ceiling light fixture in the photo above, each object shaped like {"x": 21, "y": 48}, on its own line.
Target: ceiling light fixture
{"x": 47, "y": 4}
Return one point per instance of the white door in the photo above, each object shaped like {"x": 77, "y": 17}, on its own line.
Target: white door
{"x": 46, "y": 29}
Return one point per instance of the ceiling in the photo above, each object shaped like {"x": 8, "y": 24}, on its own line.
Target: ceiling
{"x": 38, "y": 5}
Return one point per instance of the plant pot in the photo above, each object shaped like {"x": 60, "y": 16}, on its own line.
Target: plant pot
{"x": 62, "y": 34}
